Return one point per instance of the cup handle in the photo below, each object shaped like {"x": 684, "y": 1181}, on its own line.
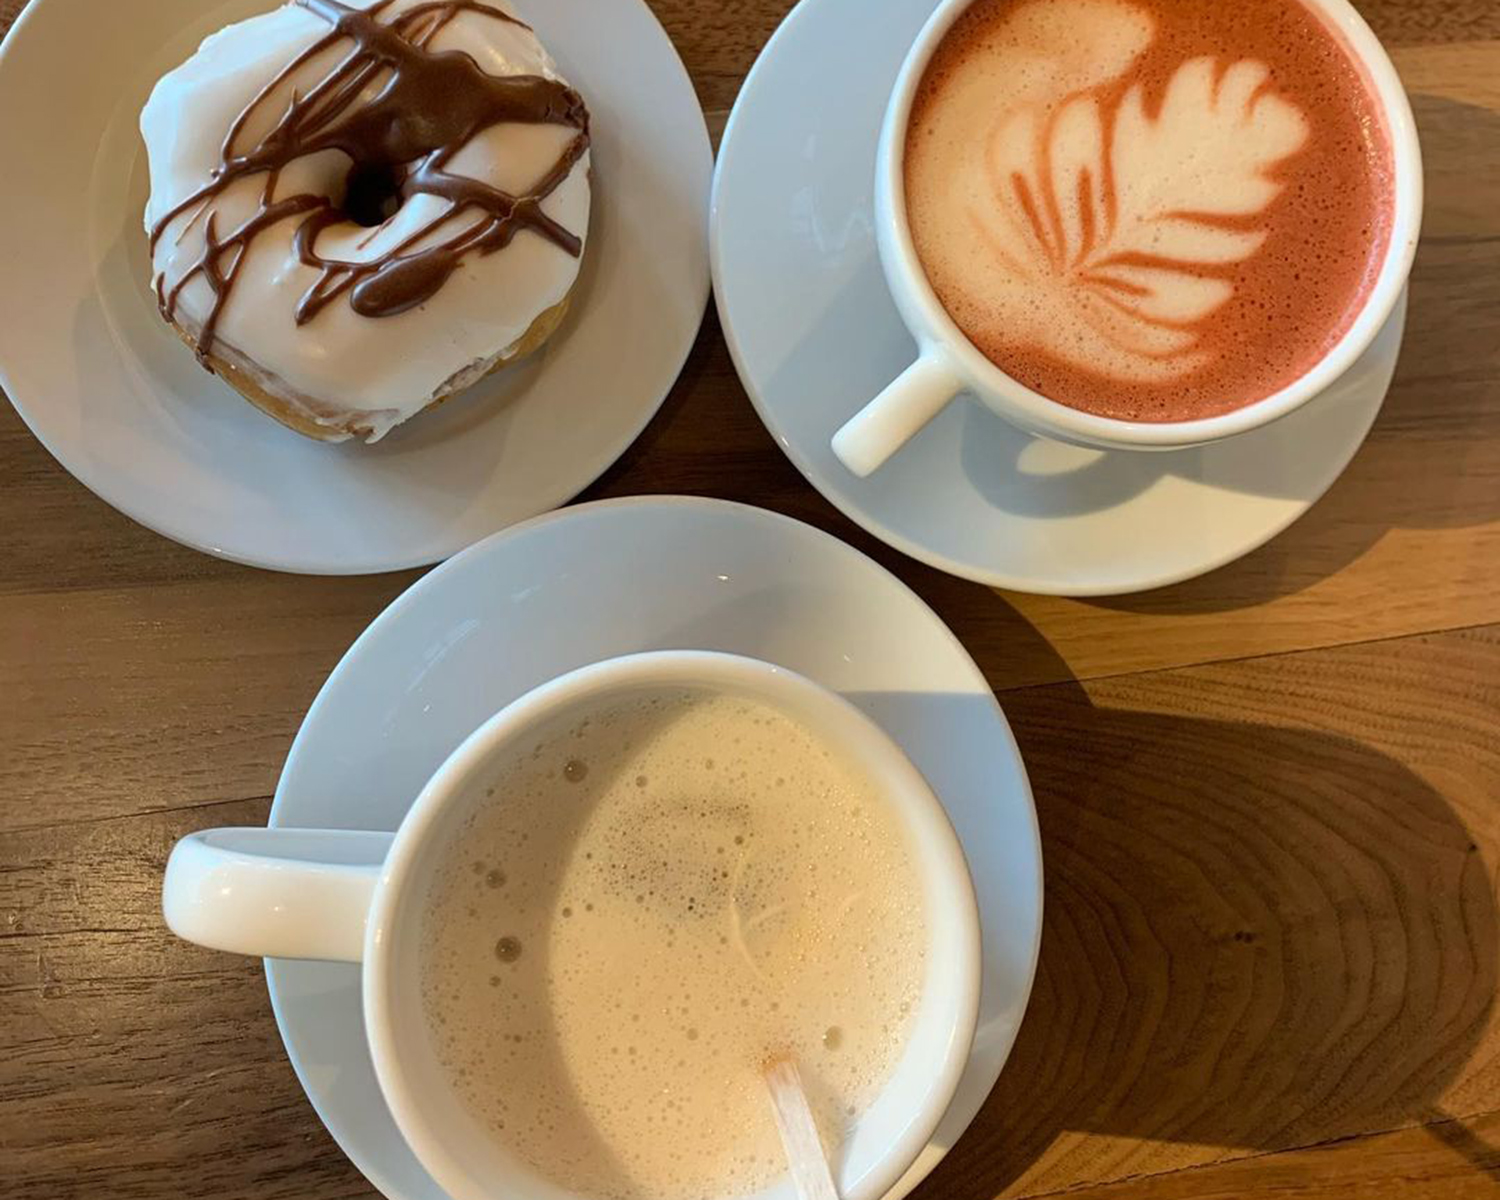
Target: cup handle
{"x": 890, "y": 420}
{"x": 276, "y": 893}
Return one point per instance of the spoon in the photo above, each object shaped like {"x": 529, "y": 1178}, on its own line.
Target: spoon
{"x": 799, "y": 1135}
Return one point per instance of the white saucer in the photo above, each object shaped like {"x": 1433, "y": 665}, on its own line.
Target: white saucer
{"x": 604, "y": 579}
{"x": 109, "y": 390}
{"x": 815, "y": 335}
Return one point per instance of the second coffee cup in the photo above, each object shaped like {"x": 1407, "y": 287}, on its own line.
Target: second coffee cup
{"x": 608, "y": 908}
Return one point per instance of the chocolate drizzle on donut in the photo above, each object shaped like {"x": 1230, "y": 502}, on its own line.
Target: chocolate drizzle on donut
{"x": 428, "y": 105}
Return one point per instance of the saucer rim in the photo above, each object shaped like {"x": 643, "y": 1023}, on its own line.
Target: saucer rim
{"x": 975, "y": 571}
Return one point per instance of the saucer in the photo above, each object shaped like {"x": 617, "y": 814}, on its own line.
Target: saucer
{"x": 106, "y": 386}
{"x": 605, "y": 579}
{"x": 815, "y": 335}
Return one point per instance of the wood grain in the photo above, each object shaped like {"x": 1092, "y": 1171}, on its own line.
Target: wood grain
{"x": 1417, "y": 22}
{"x": 1445, "y": 1159}
{"x": 132, "y": 1064}
{"x": 1266, "y": 796}
{"x": 135, "y": 699}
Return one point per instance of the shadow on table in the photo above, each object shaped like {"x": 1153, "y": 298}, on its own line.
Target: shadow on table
{"x": 1443, "y": 409}
{"x": 1468, "y": 1145}
{"x": 1255, "y": 938}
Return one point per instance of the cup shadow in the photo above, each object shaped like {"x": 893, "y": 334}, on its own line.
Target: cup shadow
{"x": 1255, "y": 938}
{"x": 1036, "y": 477}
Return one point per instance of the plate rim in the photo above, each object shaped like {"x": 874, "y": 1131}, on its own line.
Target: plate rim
{"x": 826, "y": 542}
{"x": 81, "y": 468}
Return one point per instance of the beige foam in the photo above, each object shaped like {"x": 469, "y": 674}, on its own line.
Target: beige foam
{"x": 683, "y": 888}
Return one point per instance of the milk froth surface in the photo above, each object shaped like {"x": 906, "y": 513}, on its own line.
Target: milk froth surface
{"x": 1148, "y": 209}
{"x": 661, "y": 894}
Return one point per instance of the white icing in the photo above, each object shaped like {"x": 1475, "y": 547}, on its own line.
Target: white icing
{"x": 384, "y": 369}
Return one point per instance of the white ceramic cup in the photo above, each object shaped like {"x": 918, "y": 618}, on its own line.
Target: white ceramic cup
{"x": 359, "y": 897}
{"x": 948, "y": 363}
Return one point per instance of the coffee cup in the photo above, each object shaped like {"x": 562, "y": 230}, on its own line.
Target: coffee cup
{"x": 949, "y": 363}
{"x": 358, "y": 896}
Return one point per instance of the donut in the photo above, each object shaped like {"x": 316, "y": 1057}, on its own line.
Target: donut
{"x": 358, "y": 209}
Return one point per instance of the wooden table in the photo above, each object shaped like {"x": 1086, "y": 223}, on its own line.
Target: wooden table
{"x": 1268, "y": 797}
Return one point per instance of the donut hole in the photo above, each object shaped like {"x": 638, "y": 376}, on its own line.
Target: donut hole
{"x": 372, "y": 193}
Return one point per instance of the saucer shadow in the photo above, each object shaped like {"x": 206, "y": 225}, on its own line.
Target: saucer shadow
{"x": 1255, "y": 938}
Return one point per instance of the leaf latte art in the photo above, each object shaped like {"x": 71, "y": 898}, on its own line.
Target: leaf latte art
{"x": 1127, "y": 229}
{"x": 1154, "y": 210}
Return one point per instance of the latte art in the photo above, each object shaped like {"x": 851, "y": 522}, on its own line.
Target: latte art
{"x": 1117, "y": 201}
{"x": 1119, "y": 233}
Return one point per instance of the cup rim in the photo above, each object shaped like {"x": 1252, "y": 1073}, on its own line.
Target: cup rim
{"x": 937, "y": 333}
{"x": 919, "y": 810}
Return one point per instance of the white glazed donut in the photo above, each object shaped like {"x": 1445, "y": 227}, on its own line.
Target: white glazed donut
{"x": 269, "y": 142}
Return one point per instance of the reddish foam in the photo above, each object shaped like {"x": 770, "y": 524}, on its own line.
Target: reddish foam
{"x": 1327, "y": 230}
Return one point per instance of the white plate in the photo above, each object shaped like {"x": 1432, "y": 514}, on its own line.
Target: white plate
{"x": 109, "y": 390}
{"x": 643, "y": 574}
{"x": 814, "y": 334}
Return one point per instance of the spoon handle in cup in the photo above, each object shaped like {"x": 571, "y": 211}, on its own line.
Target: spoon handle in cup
{"x": 799, "y": 1133}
